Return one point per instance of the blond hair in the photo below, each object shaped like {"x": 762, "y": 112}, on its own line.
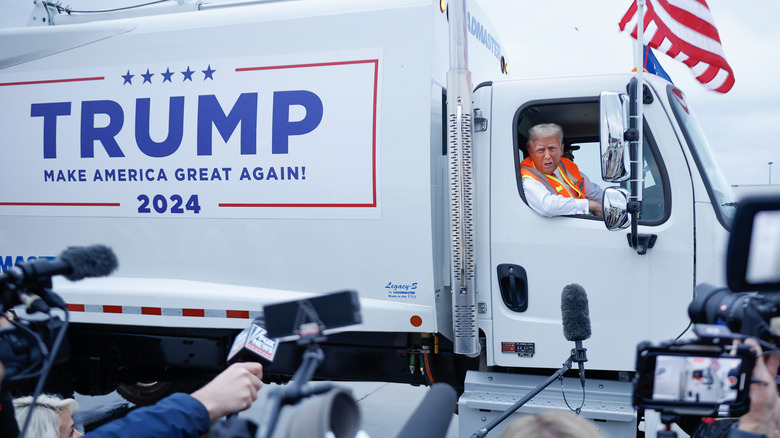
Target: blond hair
{"x": 544, "y": 130}
{"x": 45, "y": 420}
{"x": 551, "y": 424}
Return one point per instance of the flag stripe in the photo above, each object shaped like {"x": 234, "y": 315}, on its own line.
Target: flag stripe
{"x": 632, "y": 10}
{"x": 684, "y": 30}
{"x": 676, "y": 26}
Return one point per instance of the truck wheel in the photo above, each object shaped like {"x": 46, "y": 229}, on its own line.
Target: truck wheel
{"x": 148, "y": 393}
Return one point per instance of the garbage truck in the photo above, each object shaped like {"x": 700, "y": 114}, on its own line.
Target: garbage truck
{"x": 235, "y": 155}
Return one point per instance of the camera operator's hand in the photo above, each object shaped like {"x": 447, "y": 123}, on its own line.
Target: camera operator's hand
{"x": 233, "y": 390}
{"x": 764, "y": 414}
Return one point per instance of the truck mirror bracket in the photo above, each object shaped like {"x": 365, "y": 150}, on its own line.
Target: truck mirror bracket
{"x": 644, "y": 242}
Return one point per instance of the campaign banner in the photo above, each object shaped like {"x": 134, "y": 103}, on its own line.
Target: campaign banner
{"x": 221, "y": 138}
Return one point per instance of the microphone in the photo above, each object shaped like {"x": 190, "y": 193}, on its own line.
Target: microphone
{"x": 433, "y": 415}
{"x": 75, "y": 263}
{"x": 576, "y": 322}
{"x": 253, "y": 344}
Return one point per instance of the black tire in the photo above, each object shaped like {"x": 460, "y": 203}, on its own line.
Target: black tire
{"x": 145, "y": 394}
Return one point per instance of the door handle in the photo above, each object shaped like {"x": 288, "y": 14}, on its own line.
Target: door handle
{"x": 513, "y": 283}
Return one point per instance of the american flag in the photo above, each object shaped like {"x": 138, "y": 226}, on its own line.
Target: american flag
{"x": 685, "y": 30}
{"x": 715, "y": 365}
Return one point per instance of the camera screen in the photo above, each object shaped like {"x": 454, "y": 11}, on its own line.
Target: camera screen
{"x": 763, "y": 264}
{"x": 697, "y": 379}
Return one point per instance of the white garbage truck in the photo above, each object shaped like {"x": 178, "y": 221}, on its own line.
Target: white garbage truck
{"x": 235, "y": 155}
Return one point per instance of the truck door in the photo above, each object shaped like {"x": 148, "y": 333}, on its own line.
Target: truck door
{"x": 632, "y": 297}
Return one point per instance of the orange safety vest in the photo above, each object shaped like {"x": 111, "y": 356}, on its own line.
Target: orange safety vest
{"x": 572, "y": 186}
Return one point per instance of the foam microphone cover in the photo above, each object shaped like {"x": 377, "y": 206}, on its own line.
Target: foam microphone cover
{"x": 89, "y": 261}
{"x": 575, "y": 313}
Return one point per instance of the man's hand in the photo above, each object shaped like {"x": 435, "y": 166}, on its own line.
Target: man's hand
{"x": 764, "y": 414}
{"x": 595, "y": 208}
{"x": 233, "y": 390}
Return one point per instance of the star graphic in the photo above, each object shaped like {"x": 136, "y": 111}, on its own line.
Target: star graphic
{"x": 128, "y": 78}
{"x": 208, "y": 73}
{"x": 188, "y": 74}
{"x": 147, "y": 76}
{"x": 167, "y": 75}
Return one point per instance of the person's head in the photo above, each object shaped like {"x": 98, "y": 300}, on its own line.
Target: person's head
{"x": 551, "y": 424}
{"x": 568, "y": 151}
{"x": 52, "y": 416}
{"x": 545, "y": 146}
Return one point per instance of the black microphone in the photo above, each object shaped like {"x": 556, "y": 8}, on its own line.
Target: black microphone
{"x": 75, "y": 263}
{"x": 576, "y": 322}
{"x": 433, "y": 415}
{"x": 253, "y": 345}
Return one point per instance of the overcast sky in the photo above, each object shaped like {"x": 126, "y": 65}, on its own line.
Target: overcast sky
{"x": 569, "y": 37}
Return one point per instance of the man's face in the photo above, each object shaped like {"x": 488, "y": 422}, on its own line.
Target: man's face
{"x": 67, "y": 428}
{"x": 546, "y": 153}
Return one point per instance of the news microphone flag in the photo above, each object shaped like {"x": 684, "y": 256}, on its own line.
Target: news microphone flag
{"x": 685, "y": 30}
{"x": 253, "y": 344}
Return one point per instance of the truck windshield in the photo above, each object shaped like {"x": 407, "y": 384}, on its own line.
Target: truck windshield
{"x": 724, "y": 201}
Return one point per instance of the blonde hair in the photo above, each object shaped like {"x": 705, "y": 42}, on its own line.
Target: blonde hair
{"x": 551, "y": 424}
{"x": 45, "y": 420}
{"x": 544, "y": 130}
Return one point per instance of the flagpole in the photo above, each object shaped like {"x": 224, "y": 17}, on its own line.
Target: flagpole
{"x": 639, "y": 57}
{"x": 635, "y": 200}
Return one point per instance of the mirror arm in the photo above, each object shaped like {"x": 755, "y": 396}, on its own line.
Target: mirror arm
{"x": 633, "y": 210}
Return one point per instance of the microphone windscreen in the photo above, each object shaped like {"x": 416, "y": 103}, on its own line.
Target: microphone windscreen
{"x": 434, "y": 414}
{"x": 575, "y": 313}
{"x": 89, "y": 261}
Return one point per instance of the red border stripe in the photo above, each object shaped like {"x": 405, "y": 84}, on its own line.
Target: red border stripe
{"x": 61, "y": 204}
{"x": 316, "y": 64}
{"x": 51, "y": 81}
{"x": 227, "y": 204}
{"x": 76, "y": 307}
{"x": 112, "y": 309}
{"x": 151, "y": 311}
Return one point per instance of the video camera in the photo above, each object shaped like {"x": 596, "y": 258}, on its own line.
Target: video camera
{"x": 30, "y": 340}
{"x": 710, "y": 376}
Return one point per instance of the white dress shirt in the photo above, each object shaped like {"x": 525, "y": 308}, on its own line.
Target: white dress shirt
{"x": 547, "y": 204}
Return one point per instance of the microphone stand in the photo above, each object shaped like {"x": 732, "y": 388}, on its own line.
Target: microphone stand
{"x": 312, "y": 359}
{"x": 577, "y": 355}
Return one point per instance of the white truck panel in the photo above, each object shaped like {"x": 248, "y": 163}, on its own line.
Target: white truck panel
{"x": 184, "y": 303}
{"x": 387, "y": 257}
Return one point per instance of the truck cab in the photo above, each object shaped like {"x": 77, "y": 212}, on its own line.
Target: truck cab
{"x": 527, "y": 259}
{"x": 686, "y": 210}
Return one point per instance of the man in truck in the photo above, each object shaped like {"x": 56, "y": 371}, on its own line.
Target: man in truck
{"x": 553, "y": 185}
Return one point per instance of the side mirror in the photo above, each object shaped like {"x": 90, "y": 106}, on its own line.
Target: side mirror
{"x": 753, "y": 257}
{"x": 613, "y": 122}
{"x": 615, "y": 208}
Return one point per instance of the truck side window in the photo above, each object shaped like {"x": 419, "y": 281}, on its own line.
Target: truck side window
{"x": 655, "y": 194}
{"x": 580, "y": 124}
